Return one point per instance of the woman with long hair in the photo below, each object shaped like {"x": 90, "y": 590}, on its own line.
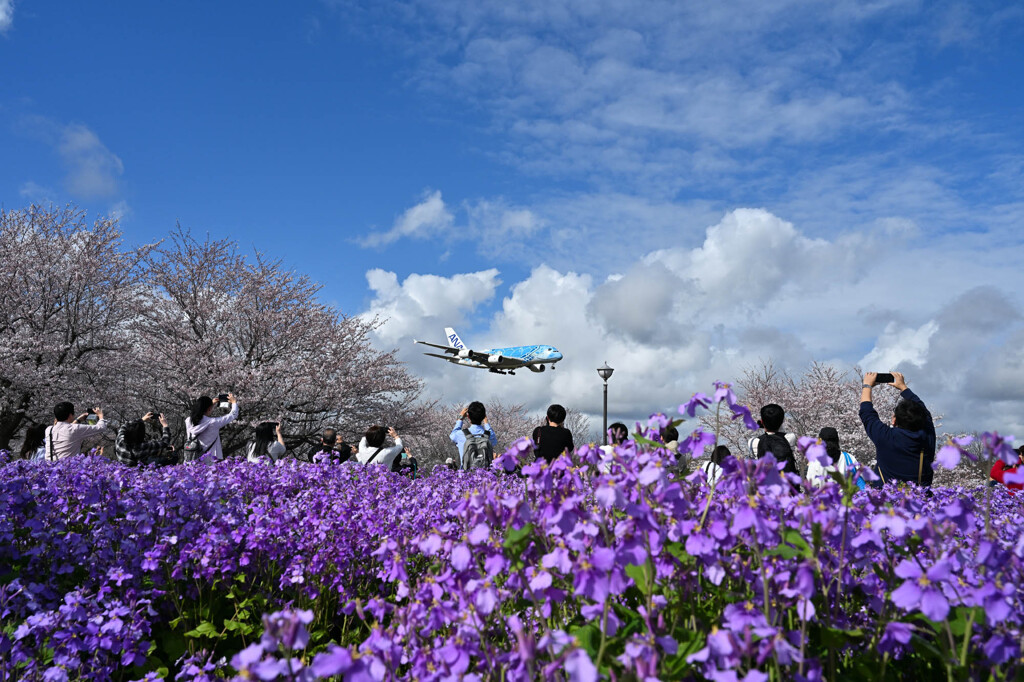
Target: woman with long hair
{"x": 268, "y": 442}
{"x": 132, "y": 447}
{"x": 713, "y": 467}
{"x": 33, "y": 447}
{"x": 203, "y": 429}
{"x": 842, "y": 462}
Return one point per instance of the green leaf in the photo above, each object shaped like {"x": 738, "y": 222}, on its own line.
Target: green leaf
{"x": 589, "y": 637}
{"x": 641, "y": 575}
{"x": 517, "y": 536}
{"x": 236, "y": 626}
{"x": 205, "y": 629}
{"x": 836, "y": 638}
{"x": 959, "y": 617}
{"x": 793, "y": 545}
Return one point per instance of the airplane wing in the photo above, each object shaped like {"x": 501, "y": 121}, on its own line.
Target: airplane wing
{"x": 447, "y": 349}
{"x": 455, "y": 360}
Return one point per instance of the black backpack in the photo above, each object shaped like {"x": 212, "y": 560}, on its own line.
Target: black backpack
{"x": 777, "y": 444}
{"x": 193, "y": 450}
{"x": 477, "y": 452}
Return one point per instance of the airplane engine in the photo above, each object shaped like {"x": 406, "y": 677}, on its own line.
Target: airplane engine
{"x": 464, "y": 353}
{"x": 495, "y": 359}
{"x": 535, "y": 368}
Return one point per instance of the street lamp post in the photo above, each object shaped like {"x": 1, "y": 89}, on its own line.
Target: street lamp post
{"x": 605, "y": 372}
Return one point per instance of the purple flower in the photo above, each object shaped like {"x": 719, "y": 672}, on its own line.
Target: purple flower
{"x": 895, "y": 636}
{"x": 689, "y": 408}
{"x": 921, "y": 589}
{"x": 335, "y": 661}
{"x": 579, "y": 667}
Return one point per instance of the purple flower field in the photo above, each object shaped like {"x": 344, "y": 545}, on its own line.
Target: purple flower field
{"x": 596, "y": 566}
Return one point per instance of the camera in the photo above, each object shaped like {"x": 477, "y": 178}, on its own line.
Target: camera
{"x": 90, "y": 416}
{"x": 884, "y": 378}
{"x": 223, "y": 400}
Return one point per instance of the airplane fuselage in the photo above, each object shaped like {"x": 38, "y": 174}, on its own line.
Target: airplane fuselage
{"x": 515, "y": 357}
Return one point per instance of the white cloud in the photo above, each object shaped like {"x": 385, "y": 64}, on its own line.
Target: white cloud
{"x": 36, "y": 193}
{"x": 422, "y": 305}
{"x": 120, "y": 210}
{"x": 93, "y": 170}
{"x": 898, "y": 346}
{"x": 425, "y": 219}
{"x": 673, "y": 321}
{"x": 6, "y": 15}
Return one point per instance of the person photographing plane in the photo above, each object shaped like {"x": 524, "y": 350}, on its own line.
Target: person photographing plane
{"x": 477, "y": 441}
{"x": 904, "y": 451}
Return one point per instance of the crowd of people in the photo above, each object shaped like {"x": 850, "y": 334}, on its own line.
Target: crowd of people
{"x": 904, "y": 448}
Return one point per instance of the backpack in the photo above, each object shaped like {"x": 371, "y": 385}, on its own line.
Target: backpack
{"x": 851, "y": 466}
{"x": 777, "y": 444}
{"x": 477, "y": 452}
{"x": 193, "y": 449}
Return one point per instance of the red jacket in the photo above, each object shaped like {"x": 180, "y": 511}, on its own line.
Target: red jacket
{"x": 999, "y": 469}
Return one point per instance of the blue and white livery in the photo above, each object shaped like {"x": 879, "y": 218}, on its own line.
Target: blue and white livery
{"x": 497, "y": 360}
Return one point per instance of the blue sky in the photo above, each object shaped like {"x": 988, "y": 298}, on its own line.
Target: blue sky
{"x": 679, "y": 188}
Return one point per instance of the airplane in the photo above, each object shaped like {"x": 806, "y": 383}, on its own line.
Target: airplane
{"x": 497, "y": 360}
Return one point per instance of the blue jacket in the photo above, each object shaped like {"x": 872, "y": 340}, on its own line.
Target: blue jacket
{"x": 898, "y": 451}
{"x": 459, "y": 438}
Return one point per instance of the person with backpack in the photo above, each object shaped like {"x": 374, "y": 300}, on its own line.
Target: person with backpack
{"x": 713, "y": 467}
{"x": 65, "y": 437}
{"x": 372, "y": 450}
{"x": 268, "y": 443}
{"x": 904, "y": 452}
{"x": 202, "y": 429}
{"x": 842, "y": 461}
{"x": 132, "y": 449}
{"x": 781, "y": 444}
{"x": 476, "y": 442}
{"x": 552, "y": 439}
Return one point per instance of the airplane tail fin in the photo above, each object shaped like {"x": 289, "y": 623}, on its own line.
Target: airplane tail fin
{"x": 453, "y": 339}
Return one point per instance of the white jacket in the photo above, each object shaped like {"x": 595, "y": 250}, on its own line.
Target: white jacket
{"x": 386, "y": 456}
{"x": 208, "y": 431}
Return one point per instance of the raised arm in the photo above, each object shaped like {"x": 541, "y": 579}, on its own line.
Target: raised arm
{"x": 876, "y": 430}
{"x": 491, "y": 435}
{"x": 231, "y": 416}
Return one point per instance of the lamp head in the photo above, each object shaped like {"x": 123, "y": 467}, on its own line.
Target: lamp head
{"x": 605, "y": 371}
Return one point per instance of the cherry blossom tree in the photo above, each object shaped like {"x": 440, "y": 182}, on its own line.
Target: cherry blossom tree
{"x": 216, "y": 321}
{"x": 70, "y": 293}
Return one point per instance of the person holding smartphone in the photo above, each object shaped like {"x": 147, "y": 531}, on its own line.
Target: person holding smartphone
{"x": 268, "y": 443}
{"x": 203, "y": 429}
{"x": 905, "y": 450}
{"x": 65, "y": 437}
{"x": 133, "y": 449}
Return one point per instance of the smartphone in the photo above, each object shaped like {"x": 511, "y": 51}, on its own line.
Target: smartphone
{"x": 884, "y": 378}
